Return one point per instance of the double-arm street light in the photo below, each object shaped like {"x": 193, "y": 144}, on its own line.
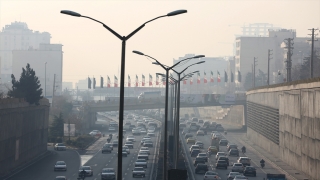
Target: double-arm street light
{"x": 167, "y": 69}
{"x": 121, "y": 104}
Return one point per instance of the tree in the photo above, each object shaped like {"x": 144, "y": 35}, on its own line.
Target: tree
{"x": 56, "y": 128}
{"x": 28, "y": 87}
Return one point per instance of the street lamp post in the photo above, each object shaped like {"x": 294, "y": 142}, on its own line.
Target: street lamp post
{"x": 45, "y": 79}
{"x": 167, "y": 69}
{"x": 122, "y": 74}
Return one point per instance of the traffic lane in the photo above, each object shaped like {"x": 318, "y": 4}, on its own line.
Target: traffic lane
{"x": 43, "y": 169}
{"x": 261, "y": 173}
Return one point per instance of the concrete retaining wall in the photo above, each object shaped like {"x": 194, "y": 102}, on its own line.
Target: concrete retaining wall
{"x": 299, "y": 125}
{"x": 23, "y": 132}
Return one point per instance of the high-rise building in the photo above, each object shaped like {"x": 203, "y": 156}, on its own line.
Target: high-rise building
{"x": 46, "y": 61}
{"x": 17, "y": 36}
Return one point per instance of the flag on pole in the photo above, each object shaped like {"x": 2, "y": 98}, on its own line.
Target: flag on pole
{"x": 184, "y": 79}
{"x": 211, "y": 77}
{"x": 225, "y": 76}
{"x": 219, "y": 80}
{"x": 205, "y": 78}
{"x": 157, "y": 79}
{"x": 150, "y": 80}
{"x": 191, "y": 80}
{"x": 232, "y": 78}
{"x": 129, "y": 81}
{"x": 198, "y": 78}
{"x": 143, "y": 80}
{"x": 137, "y": 81}
{"x": 115, "y": 81}
{"x": 108, "y": 82}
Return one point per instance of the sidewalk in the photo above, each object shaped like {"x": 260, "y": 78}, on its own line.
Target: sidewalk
{"x": 291, "y": 173}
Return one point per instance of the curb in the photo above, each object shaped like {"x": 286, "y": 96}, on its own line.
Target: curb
{"x": 25, "y": 165}
{"x": 266, "y": 159}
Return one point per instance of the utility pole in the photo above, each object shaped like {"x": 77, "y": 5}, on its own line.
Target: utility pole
{"x": 252, "y": 75}
{"x": 312, "y": 47}
{"x": 269, "y": 58}
{"x": 254, "y": 71}
{"x": 53, "y": 89}
{"x": 289, "y": 46}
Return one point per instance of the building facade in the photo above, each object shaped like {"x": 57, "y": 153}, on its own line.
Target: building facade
{"x": 17, "y": 36}
{"x": 47, "y": 62}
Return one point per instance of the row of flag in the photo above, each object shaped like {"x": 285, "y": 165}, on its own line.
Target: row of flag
{"x": 157, "y": 82}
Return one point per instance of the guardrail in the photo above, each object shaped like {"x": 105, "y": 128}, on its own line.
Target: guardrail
{"x": 187, "y": 159}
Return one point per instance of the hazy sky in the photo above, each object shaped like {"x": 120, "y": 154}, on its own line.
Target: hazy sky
{"x": 208, "y": 28}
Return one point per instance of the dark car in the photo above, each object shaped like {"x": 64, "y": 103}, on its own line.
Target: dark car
{"x": 234, "y": 152}
{"x": 115, "y": 143}
{"x": 231, "y": 146}
{"x": 221, "y": 164}
{"x": 223, "y": 142}
{"x": 194, "y": 119}
{"x": 106, "y": 149}
{"x": 195, "y": 152}
{"x": 249, "y": 170}
{"x": 201, "y": 168}
{"x": 224, "y": 158}
{"x": 198, "y": 161}
{"x": 200, "y": 121}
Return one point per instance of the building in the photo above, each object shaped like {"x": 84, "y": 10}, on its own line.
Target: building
{"x": 248, "y": 48}
{"x": 47, "y": 62}
{"x": 82, "y": 84}
{"x": 17, "y": 36}
{"x": 212, "y": 65}
{"x": 67, "y": 85}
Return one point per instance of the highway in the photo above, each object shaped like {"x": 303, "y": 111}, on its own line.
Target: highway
{"x": 231, "y": 137}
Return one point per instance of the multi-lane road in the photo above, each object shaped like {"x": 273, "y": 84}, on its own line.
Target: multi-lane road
{"x": 43, "y": 169}
{"x": 231, "y": 137}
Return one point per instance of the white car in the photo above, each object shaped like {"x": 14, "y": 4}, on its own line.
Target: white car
{"x": 220, "y": 154}
{"x": 143, "y": 131}
{"x": 60, "y": 147}
{"x": 112, "y": 129}
{"x": 60, "y": 166}
{"x": 151, "y": 130}
{"x": 144, "y": 151}
{"x": 211, "y": 175}
{"x": 125, "y": 148}
{"x": 131, "y": 138}
{"x": 151, "y": 134}
{"x": 138, "y": 172}
{"x": 95, "y": 133}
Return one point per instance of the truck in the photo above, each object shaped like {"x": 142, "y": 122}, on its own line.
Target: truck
{"x": 150, "y": 96}
{"x": 276, "y": 176}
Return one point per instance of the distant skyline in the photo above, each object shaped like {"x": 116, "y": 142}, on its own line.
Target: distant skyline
{"x": 208, "y": 28}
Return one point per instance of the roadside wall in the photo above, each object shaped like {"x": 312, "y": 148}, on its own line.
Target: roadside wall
{"x": 297, "y": 123}
{"x": 23, "y": 132}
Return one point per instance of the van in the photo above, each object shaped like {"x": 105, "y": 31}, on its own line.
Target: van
{"x": 245, "y": 161}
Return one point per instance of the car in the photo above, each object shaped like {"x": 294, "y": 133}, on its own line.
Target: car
{"x": 203, "y": 156}
{"x": 221, "y": 164}
{"x": 193, "y": 147}
{"x": 223, "y": 142}
{"x": 191, "y": 140}
{"x": 131, "y": 138}
{"x": 220, "y": 128}
{"x": 151, "y": 129}
{"x": 213, "y": 149}
{"x": 95, "y": 133}
{"x": 125, "y": 148}
{"x": 144, "y": 151}
{"x": 124, "y": 153}
{"x": 108, "y": 174}
{"x": 200, "y": 121}
{"x": 240, "y": 177}
{"x": 188, "y": 135}
{"x": 198, "y": 160}
{"x": 111, "y": 128}
{"x": 138, "y": 172}
{"x": 148, "y": 143}
{"x": 211, "y": 175}
{"x": 185, "y": 131}
{"x": 201, "y": 168}
{"x": 224, "y": 158}
{"x": 200, "y": 133}
{"x": 60, "y": 178}
{"x": 115, "y": 143}
{"x": 109, "y": 145}
{"x": 151, "y": 134}
{"x": 143, "y": 131}
{"x": 60, "y": 147}
{"x": 87, "y": 169}
{"x": 200, "y": 144}
{"x": 136, "y": 131}
{"x": 234, "y": 152}
{"x": 231, "y": 146}
{"x": 143, "y": 155}
{"x": 194, "y": 119}
{"x": 144, "y": 139}
{"x": 106, "y": 149}
{"x": 237, "y": 167}
{"x": 244, "y": 160}
{"x": 206, "y": 123}
{"x": 60, "y": 166}
{"x": 129, "y": 144}
{"x": 195, "y": 152}
{"x": 250, "y": 170}
{"x": 232, "y": 175}
{"x": 218, "y": 136}
{"x": 220, "y": 154}
{"x": 141, "y": 163}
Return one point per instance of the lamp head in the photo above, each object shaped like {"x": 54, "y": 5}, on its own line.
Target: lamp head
{"x": 199, "y": 56}
{"x": 138, "y": 52}
{"x": 71, "y": 13}
{"x": 177, "y": 12}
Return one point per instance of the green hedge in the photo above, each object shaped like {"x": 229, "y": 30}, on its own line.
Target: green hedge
{"x": 81, "y": 141}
